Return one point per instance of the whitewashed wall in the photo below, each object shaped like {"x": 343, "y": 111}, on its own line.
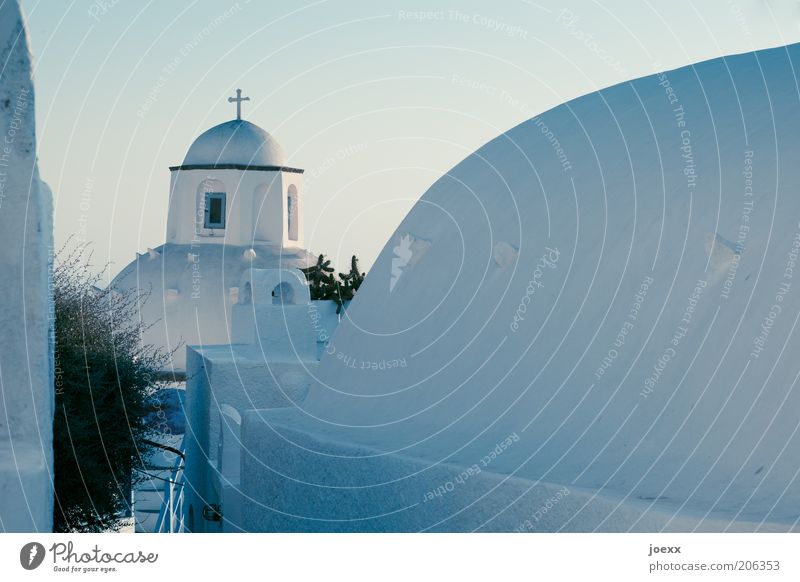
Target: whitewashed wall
{"x": 26, "y": 357}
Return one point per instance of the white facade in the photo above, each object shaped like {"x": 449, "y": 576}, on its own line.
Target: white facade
{"x": 273, "y": 362}
{"x": 256, "y": 209}
{"x": 26, "y": 349}
{"x": 234, "y": 205}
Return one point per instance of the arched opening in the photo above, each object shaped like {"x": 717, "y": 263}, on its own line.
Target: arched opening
{"x": 268, "y": 210}
{"x": 292, "y": 213}
{"x": 246, "y": 296}
{"x": 282, "y": 293}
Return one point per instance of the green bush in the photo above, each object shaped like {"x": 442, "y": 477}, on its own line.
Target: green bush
{"x": 104, "y": 377}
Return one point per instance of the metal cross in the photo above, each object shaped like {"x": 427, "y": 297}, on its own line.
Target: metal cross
{"x": 238, "y": 100}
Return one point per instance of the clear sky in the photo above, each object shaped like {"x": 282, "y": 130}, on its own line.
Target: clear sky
{"x": 375, "y": 100}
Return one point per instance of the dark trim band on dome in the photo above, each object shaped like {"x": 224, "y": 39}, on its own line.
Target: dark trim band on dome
{"x": 237, "y": 167}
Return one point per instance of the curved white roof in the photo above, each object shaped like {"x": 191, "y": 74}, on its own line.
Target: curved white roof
{"x": 595, "y": 284}
{"x": 235, "y": 142}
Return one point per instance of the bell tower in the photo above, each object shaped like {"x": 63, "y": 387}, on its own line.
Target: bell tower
{"x": 235, "y": 187}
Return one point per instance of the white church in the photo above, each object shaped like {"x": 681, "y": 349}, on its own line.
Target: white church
{"x": 235, "y": 205}
{"x": 224, "y": 295}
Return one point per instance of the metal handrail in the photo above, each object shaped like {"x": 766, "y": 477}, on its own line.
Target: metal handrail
{"x": 170, "y": 518}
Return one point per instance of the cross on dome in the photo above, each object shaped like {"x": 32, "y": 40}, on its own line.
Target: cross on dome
{"x": 238, "y": 100}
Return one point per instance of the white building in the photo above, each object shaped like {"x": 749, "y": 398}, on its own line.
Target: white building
{"x": 278, "y": 333}
{"x": 226, "y": 284}
{"x": 235, "y": 204}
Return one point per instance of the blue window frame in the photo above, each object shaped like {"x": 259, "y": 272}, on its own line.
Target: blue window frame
{"x": 215, "y": 210}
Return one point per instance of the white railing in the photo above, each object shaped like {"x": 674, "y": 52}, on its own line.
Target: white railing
{"x": 170, "y": 519}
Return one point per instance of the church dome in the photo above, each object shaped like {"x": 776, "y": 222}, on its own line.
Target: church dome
{"x": 235, "y": 142}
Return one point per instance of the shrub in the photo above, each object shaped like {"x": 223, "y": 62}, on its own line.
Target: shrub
{"x": 104, "y": 377}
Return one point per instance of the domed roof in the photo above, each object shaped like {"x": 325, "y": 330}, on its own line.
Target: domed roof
{"x": 235, "y": 142}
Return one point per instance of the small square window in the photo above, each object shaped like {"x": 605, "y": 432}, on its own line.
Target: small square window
{"x": 215, "y": 210}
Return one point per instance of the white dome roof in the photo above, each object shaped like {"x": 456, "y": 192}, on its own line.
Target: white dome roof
{"x": 235, "y": 142}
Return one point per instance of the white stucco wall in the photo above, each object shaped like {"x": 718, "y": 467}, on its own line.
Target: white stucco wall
{"x": 26, "y": 358}
{"x": 191, "y": 289}
{"x": 296, "y": 481}
{"x": 256, "y": 207}
{"x": 242, "y": 377}
{"x": 274, "y": 366}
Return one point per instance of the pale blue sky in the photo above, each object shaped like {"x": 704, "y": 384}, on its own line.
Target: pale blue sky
{"x": 374, "y": 99}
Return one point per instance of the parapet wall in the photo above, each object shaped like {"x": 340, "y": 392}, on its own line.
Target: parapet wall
{"x": 26, "y": 352}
